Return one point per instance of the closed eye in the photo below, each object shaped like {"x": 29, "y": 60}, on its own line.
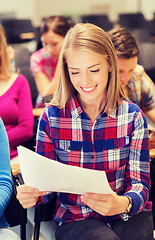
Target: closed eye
{"x": 73, "y": 73}
{"x": 95, "y": 70}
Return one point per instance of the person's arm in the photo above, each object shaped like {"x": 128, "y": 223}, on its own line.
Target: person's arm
{"x": 42, "y": 82}
{"x": 5, "y": 171}
{"x": 44, "y": 85}
{"x": 29, "y": 196}
{"x": 148, "y": 97}
{"x": 137, "y": 177}
{"x": 23, "y": 131}
{"x": 54, "y": 83}
{"x": 151, "y": 114}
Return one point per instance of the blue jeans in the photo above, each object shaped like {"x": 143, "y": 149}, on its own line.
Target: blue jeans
{"x": 139, "y": 227}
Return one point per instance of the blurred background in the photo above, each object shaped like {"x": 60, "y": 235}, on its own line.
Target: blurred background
{"x": 38, "y": 9}
{"x": 22, "y": 19}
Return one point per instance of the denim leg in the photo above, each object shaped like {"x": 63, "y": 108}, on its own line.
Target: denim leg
{"x": 139, "y": 226}
{"x": 91, "y": 229}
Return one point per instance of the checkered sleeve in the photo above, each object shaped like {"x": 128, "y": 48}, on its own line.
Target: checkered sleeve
{"x": 138, "y": 168}
{"x": 148, "y": 93}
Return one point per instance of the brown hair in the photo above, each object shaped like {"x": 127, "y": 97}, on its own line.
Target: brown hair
{"x": 4, "y": 58}
{"x": 58, "y": 24}
{"x": 124, "y": 42}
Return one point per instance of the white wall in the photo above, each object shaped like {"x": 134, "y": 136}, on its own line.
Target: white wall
{"x": 37, "y": 9}
{"x": 22, "y": 9}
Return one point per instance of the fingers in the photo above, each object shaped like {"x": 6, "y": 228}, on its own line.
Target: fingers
{"x": 101, "y": 203}
{"x": 28, "y": 196}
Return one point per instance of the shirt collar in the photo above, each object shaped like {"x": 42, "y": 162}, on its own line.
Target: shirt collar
{"x": 76, "y": 109}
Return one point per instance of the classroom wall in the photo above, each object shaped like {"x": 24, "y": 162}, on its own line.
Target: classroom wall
{"x": 37, "y": 9}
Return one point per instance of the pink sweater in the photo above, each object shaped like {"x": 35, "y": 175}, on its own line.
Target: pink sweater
{"x": 16, "y": 113}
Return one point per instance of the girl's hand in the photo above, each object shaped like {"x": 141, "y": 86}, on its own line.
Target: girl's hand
{"x": 28, "y": 196}
{"x": 106, "y": 204}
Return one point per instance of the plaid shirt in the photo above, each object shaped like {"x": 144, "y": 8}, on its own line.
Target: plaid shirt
{"x": 41, "y": 61}
{"x": 141, "y": 89}
{"x": 117, "y": 144}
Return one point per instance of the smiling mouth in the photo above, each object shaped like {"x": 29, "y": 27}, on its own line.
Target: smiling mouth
{"x": 88, "y": 89}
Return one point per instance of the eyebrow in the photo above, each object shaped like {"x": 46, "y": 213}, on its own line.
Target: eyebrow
{"x": 88, "y": 67}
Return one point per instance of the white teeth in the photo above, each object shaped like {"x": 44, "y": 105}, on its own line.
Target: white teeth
{"x": 88, "y": 89}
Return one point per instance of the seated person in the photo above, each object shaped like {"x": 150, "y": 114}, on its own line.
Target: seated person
{"x": 138, "y": 86}
{"x": 5, "y": 184}
{"x": 15, "y": 102}
{"x": 89, "y": 123}
{"x": 44, "y": 61}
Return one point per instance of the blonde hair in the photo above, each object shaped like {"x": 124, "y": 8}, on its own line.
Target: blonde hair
{"x": 4, "y": 58}
{"x": 88, "y": 37}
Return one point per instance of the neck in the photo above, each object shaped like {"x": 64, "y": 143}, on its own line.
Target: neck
{"x": 92, "y": 110}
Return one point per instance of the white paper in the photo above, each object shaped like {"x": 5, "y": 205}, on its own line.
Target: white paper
{"x": 49, "y": 175}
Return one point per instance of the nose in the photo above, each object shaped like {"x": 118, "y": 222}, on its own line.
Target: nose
{"x": 86, "y": 80}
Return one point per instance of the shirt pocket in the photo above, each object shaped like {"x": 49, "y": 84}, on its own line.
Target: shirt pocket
{"x": 68, "y": 151}
{"x": 116, "y": 153}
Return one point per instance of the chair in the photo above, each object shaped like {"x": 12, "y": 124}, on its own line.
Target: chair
{"x": 101, "y": 20}
{"x": 141, "y": 34}
{"x": 18, "y": 30}
{"x": 132, "y": 20}
{"x": 147, "y": 58}
{"x": 15, "y": 214}
{"x": 7, "y": 15}
{"x": 34, "y": 92}
{"x": 43, "y": 212}
{"x": 22, "y": 63}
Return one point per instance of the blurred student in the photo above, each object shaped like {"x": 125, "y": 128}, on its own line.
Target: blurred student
{"x": 138, "y": 86}
{"x": 44, "y": 62}
{"x": 15, "y": 102}
{"x": 90, "y": 124}
{"x": 5, "y": 185}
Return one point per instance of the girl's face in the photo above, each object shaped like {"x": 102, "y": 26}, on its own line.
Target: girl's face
{"x": 53, "y": 43}
{"x": 89, "y": 75}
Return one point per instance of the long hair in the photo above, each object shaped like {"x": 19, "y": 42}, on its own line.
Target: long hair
{"x": 88, "y": 37}
{"x": 58, "y": 24}
{"x": 4, "y": 58}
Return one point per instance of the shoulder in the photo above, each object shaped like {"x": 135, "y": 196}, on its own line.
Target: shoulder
{"x": 139, "y": 70}
{"x": 21, "y": 84}
{"x": 21, "y": 79}
{"x": 38, "y": 55}
{"x": 130, "y": 107}
{"x": 52, "y": 111}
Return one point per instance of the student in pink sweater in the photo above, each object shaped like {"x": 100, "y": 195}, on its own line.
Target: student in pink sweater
{"x": 15, "y": 102}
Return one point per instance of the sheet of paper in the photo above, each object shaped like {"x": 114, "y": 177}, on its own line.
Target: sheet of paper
{"x": 48, "y": 175}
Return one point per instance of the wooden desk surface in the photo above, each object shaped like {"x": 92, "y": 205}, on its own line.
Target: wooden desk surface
{"x": 37, "y": 111}
{"x": 15, "y": 169}
{"x": 152, "y": 153}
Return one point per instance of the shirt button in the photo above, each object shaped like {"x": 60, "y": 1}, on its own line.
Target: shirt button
{"x": 92, "y": 156}
{"x": 69, "y": 148}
